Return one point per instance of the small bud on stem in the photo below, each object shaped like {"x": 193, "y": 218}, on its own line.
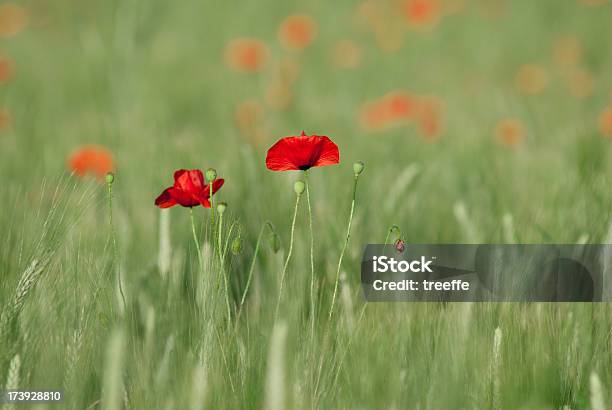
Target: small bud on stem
{"x": 299, "y": 187}
{"x": 221, "y": 207}
{"x": 211, "y": 174}
{"x": 358, "y": 167}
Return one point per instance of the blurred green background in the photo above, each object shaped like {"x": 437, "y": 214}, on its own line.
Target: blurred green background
{"x": 478, "y": 121}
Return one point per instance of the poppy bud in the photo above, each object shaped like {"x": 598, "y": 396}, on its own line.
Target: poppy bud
{"x": 299, "y": 187}
{"x": 358, "y": 167}
{"x": 236, "y": 245}
{"x": 275, "y": 242}
{"x": 110, "y": 178}
{"x": 221, "y": 207}
{"x": 399, "y": 245}
{"x": 211, "y": 174}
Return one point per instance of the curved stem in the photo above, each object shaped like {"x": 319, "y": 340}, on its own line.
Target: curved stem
{"x": 222, "y": 261}
{"x": 114, "y": 240}
{"x": 312, "y": 273}
{"x": 252, "y": 268}
{"x": 346, "y": 242}
{"x": 280, "y": 291}
{"x": 195, "y": 239}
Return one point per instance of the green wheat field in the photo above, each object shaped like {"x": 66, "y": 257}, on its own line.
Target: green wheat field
{"x": 479, "y": 121}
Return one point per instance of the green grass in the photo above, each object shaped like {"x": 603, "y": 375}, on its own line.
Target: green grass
{"x": 147, "y": 80}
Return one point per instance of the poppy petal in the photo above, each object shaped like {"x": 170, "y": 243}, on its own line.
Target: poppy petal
{"x": 189, "y": 180}
{"x": 183, "y": 198}
{"x": 217, "y": 184}
{"x": 329, "y": 153}
{"x": 165, "y": 200}
{"x": 302, "y": 153}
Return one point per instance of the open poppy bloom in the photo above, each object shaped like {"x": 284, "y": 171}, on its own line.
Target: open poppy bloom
{"x": 189, "y": 190}
{"x": 302, "y": 153}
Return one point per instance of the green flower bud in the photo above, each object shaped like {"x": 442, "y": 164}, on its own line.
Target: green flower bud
{"x": 236, "y": 245}
{"x": 110, "y": 178}
{"x": 358, "y": 167}
{"x": 299, "y": 187}
{"x": 221, "y": 207}
{"x": 211, "y": 174}
{"x": 275, "y": 242}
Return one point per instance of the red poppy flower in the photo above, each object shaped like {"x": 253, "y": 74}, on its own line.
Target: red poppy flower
{"x": 189, "y": 190}
{"x": 302, "y": 153}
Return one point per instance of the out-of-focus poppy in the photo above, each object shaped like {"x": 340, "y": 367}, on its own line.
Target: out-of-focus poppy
{"x": 387, "y": 25}
{"x": 346, "y": 54}
{"x": 394, "y": 108}
{"x": 594, "y": 2}
{"x": 13, "y": 19}
{"x": 296, "y": 32}
{"x": 6, "y": 119}
{"x": 605, "y": 122}
{"x": 567, "y": 51}
{"x": 531, "y": 79}
{"x": 6, "y": 70}
{"x": 302, "y": 153}
{"x": 510, "y": 132}
{"x": 245, "y": 54}
{"x": 421, "y": 13}
{"x": 430, "y": 117}
{"x": 189, "y": 190}
{"x": 91, "y": 159}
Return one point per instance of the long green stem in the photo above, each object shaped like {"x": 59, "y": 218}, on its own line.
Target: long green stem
{"x": 116, "y": 262}
{"x": 222, "y": 261}
{"x": 312, "y": 272}
{"x": 212, "y": 214}
{"x": 280, "y": 291}
{"x": 195, "y": 239}
{"x": 252, "y": 268}
{"x": 346, "y": 242}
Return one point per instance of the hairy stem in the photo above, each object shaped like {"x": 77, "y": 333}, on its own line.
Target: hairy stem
{"x": 195, "y": 239}
{"x": 312, "y": 272}
{"x": 222, "y": 262}
{"x": 346, "y": 242}
{"x": 280, "y": 291}
{"x": 116, "y": 263}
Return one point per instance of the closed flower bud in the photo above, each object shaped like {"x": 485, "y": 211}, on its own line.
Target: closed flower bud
{"x": 221, "y": 207}
{"x": 275, "y": 242}
{"x": 358, "y": 167}
{"x": 400, "y": 245}
{"x": 299, "y": 187}
{"x": 110, "y": 178}
{"x": 211, "y": 174}
{"x": 236, "y": 245}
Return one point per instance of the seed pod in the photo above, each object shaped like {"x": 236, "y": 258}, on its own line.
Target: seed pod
{"x": 211, "y": 174}
{"x": 299, "y": 187}
{"x": 221, "y": 206}
{"x": 110, "y": 178}
{"x": 358, "y": 167}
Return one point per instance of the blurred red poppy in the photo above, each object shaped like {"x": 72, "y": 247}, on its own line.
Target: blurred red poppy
{"x": 302, "y": 152}
{"x": 91, "y": 159}
{"x": 189, "y": 190}
{"x": 422, "y": 12}
{"x": 297, "y": 31}
{"x": 13, "y": 19}
{"x": 6, "y": 70}
{"x": 245, "y": 54}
